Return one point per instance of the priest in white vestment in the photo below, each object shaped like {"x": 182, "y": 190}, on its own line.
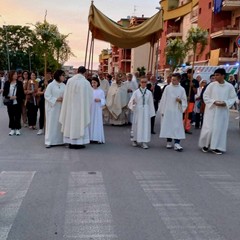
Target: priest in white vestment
{"x": 141, "y": 103}
{"x": 172, "y": 106}
{"x": 53, "y": 103}
{"x": 218, "y": 97}
{"x": 104, "y": 83}
{"x": 75, "y": 112}
{"x": 117, "y": 101}
{"x": 131, "y": 86}
{"x": 96, "y": 123}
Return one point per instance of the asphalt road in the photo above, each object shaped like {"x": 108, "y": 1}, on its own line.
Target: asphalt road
{"x": 115, "y": 191}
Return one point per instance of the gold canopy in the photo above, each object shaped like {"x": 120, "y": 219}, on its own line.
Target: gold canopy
{"x": 105, "y": 29}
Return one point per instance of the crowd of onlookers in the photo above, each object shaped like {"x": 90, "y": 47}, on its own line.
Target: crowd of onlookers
{"x": 123, "y": 99}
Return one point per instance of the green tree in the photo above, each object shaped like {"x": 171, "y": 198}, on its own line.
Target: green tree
{"x": 52, "y": 45}
{"x": 142, "y": 71}
{"x": 175, "y": 52}
{"x": 18, "y": 42}
{"x": 197, "y": 40}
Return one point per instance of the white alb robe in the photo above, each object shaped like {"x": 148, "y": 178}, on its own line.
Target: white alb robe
{"x": 215, "y": 122}
{"x": 143, "y": 110}
{"x": 132, "y": 85}
{"x": 171, "y": 112}
{"x": 53, "y": 134}
{"x": 96, "y": 124}
{"x": 116, "y": 103}
{"x": 75, "y": 112}
{"x": 104, "y": 85}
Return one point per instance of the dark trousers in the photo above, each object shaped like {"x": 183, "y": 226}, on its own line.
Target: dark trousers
{"x": 153, "y": 118}
{"x": 42, "y": 114}
{"x": 14, "y": 114}
{"x": 175, "y": 140}
{"x": 31, "y": 114}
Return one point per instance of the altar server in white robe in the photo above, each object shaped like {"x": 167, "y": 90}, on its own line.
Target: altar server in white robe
{"x": 172, "y": 106}
{"x": 218, "y": 97}
{"x": 96, "y": 123}
{"x": 141, "y": 103}
{"x": 53, "y": 103}
{"x": 75, "y": 112}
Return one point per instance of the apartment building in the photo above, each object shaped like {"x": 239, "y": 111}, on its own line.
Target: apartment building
{"x": 223, "y": 28}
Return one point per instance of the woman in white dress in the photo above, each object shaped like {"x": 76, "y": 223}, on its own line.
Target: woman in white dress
{"x": 53, "y": 103}
{"x": 96, "y": 123}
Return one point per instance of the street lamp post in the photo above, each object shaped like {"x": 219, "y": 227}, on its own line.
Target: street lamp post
{"x": 8, "y": 58}
{"x": 6, "y": 35}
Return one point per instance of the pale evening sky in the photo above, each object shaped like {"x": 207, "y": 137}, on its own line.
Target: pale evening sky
{"x": 71, "y": 16}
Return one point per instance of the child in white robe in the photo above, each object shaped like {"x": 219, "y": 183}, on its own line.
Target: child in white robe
{"x": 141, "y": 103}
{"x": 172, "y": 106}
{"x": 96, "y": 132}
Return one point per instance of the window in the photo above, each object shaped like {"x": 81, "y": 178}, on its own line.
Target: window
{"x": 199, "y": 11}
{"x": 209, "y": 5}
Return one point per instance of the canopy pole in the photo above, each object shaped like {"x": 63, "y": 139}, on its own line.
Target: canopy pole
{"x": 85, "y": 61}
{"x": 149, "y": 57}
{"x": 92, "y": 56}
{"x": 125, "y": 63}
{"x": 152, "y": 58}
{"x": 90, "y": 52}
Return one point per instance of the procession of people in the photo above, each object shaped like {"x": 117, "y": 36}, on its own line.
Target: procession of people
{"x": 74, "y": 112}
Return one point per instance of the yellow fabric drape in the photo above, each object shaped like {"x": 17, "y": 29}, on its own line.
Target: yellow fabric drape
{"x": 103, "y": 28}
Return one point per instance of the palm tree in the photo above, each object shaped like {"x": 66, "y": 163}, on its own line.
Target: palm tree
{"x": 175, "y": 52}
{"x": 196, "y": 41}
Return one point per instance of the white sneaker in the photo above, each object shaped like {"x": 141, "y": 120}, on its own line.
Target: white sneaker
{"x": 134, "y": 144}
{"x": 40, "y": 132}
{"x": 144, "y": 146}
{"x": 18, "y": 132}
{"x": 169, "y": 145}
{"x": 177, "y": 147}
{"x": 12, "y": 132}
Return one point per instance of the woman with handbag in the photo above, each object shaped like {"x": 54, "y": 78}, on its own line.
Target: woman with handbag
{"x": 31, "y": 100}
{"x": 14, "y": 94}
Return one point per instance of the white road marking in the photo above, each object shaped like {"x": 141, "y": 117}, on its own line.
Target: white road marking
{"x": 88, "y": 213}
{"x": 180, "y": 217}
{"x": 15, "y": 185}
{"x": 223, "y": 182}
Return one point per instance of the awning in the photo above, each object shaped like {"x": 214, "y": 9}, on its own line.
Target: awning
{"x": 105, "y": 29}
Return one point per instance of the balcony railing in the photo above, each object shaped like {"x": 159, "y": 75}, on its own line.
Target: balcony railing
{"x": 227, "y": 56}
{"x": 227, "y": 31}
{"x": 230, "y": 5}
{"x": 194, "y": 16}
{"x": 173, "y": 32}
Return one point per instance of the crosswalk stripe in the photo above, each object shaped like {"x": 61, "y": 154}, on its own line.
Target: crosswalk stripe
{"x": 15, "y": 186}
{"x": 88, "y": 213}
{"x": 223, "y": 182}
{"x": 179, "y": 216}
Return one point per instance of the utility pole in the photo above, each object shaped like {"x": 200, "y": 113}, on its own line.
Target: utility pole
{"x": 6, "y": 35}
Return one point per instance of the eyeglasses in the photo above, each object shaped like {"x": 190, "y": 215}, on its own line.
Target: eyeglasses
{"x": 143, "y": 82}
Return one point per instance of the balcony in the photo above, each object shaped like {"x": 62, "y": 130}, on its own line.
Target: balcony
{"x": 127, "y": 59}
{"x": 230, "y": 5}
{"x": 174, "y": 32}
{"x": 226, "y": 56}
{"x": 228, "y": 31}
{"x": 194, "y": 16}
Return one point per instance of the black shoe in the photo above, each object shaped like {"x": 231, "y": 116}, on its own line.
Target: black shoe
{"x": 80, "y": 146}
{"x": 205, "y": 149}
{"x": 152, "y": 132}
{"x": 216, "y": 151}
{"x": 188, "y": 132}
